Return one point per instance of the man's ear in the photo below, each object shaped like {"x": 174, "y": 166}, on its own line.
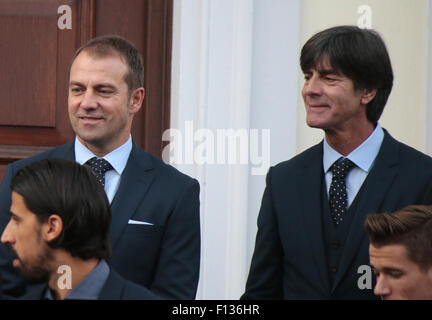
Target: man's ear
{"x": 52, "y": 228}
{"x": 367, "y": 95}
{"x": 136, "y": 100}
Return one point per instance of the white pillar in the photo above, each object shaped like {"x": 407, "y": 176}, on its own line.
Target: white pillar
{"x": 215, "y": 54}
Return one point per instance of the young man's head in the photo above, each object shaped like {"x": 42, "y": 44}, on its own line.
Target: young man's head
{"x": 58, "y": 209}
{"x": 106, "y": 90}
{"x": 401, "y": 252}
{"x": 348, "y": 77}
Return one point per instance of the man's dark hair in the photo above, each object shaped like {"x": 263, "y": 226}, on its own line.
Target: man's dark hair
{"x": 110, "y": 45}
{"x": 359, "y": 54}
{"x": 65, "y": 188}
{"x": 410, "y": 227}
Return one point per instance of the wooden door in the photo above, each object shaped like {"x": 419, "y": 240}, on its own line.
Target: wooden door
{"x": 35, "y": 56}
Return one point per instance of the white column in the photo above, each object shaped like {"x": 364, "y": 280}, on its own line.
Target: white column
{"x": 211, "y": 87}
{"x": 275, "y": 89}
{"x": 217, "y": 59}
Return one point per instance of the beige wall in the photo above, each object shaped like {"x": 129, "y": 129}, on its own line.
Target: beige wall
{"x": 403, "y": 25}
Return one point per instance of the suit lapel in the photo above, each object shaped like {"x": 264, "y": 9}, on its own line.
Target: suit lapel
{"x": 135, "y": 181}
{"x": 375, "y": 188}
{"x": 113, "y": 287}
{"x": 310, "y": 187}
{"x": 66, "y": 151}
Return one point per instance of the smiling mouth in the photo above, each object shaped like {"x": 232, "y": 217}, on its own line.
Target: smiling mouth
{"x": 315, "y": 106}
{"x": 91, "y": 119}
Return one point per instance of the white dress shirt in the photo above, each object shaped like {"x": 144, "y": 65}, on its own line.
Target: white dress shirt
{"x": 363, "y": 157}
{"x": 117, "y": 158}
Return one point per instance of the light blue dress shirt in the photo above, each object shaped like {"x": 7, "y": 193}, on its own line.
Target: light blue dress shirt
{"x": 90, "y": 287}
{"x": 363, "y": 157}
{"x": 117, "y": 158}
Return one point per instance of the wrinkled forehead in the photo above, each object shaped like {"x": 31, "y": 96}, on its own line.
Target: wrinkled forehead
{"x": 101, "y": 52}
{"x": 100, "y": 69}
{"x": 97, "y": 55}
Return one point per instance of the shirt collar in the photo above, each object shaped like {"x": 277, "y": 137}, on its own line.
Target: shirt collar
{"x": 90, "y": 287}
{"x": 363, "y": 156}
{"x": 117, "y": 158}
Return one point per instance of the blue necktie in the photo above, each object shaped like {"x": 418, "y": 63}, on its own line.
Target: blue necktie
{"x": 337, "y": 193}
{"x": 99, "y": 166}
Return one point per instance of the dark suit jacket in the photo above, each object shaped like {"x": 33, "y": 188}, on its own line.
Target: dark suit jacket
{"x": 115, "y": 288}
{"x": 165, "y": 256}
{"x": 289, "y": 260}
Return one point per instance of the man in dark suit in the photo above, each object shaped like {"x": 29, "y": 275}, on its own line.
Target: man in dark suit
{"x": 58, "y": 234}
{"x": 155, "y": 227}
{"x": 310, "y": 242}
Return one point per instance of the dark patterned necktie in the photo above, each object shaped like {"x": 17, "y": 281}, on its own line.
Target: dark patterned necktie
{"x": 99, "y": 167}
{"x": 338, "y": 194}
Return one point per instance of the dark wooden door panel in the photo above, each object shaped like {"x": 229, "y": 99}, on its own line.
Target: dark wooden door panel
{"x": 30, "y": 59}
{"x": 35, "y": 56}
